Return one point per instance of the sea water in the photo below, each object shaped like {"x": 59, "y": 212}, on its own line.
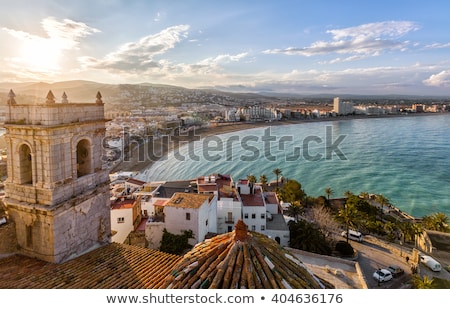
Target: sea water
{"x": 406, "y": 159}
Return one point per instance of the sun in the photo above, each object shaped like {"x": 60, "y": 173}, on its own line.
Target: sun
{"x": 41, "y": 55}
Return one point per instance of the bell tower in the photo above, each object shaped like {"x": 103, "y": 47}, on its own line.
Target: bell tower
{"x": 57, "y": 192}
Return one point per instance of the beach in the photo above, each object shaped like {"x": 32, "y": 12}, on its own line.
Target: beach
{"x": 139, "y": 161}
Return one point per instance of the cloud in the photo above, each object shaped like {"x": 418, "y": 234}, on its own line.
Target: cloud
{"x": 64, "y": 35}
{"x": 441, "y": 79}
{"x": 366, "y": 40}
{"x": 139, "y": 56}
{"x": 438, "y": 45}
{"x": 40, "y": 56}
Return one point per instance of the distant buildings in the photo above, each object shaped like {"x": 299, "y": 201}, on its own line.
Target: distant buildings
{"x": 342, "y": 107}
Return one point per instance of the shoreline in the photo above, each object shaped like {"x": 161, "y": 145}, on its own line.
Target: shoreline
{"x": 139, "y": 166}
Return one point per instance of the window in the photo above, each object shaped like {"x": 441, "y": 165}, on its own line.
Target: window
{"x": 229, "y": 217}
{"x": 245, "y": 216}
{"x": 253, "y": 216}
{"x": 121, "y": 220}
{"x": 253, "y": 227}
{"x": 188, "y": 216}
{"x": 263, "y": 216}
{"x": 263, "y": 227}
{"x": 206, "y": 223}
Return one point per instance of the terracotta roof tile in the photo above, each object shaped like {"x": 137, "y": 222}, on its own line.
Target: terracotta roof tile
{"x": 239, "y": 259}
{"x": 111, "y": 266}
{"x": 232, "y": 261}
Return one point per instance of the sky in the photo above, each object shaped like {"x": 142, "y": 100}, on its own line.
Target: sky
{"x": 305, "y": 47}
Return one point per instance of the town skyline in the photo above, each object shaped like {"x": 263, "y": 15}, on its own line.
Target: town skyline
{"x": 307, "y": 48}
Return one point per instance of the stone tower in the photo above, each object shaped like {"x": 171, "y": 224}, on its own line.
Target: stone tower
{"x": 57, "y": 192}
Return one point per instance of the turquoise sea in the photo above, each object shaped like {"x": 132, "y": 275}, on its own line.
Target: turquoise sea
{"x": 407, "y": 158}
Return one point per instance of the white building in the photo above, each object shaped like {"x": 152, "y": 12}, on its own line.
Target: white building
{"x": 342, "y": 107}
{"x": 190, "y": 211}
{"x": 207, "y": 204}
{"x": 125, "y": 217}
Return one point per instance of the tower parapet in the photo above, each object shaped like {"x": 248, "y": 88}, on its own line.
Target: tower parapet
{"x": 51, "y": 113}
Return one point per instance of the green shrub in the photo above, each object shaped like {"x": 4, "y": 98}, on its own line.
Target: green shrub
{"x": 344, "y": 248}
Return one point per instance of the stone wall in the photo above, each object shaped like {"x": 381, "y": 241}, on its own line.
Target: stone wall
{"x": 8, "y": 240}
{"x": 53, "y": 114}
{"x": 59, "y": 233}
{"x": 154, "y": 233}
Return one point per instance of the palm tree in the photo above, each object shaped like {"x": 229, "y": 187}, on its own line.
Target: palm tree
{"x": 348, "y": 194}
{"x": 263, "y": 180}
{"x": 348, "y": 214}
{"x": 295, "y": 210}
{"x": 277, "y": 173}
{"x": 251, "y": 178}
{"x": 419, "y": 283}
{"x": 383, "y": 201}
{"x": 436, "y": 222}
{"x": 328, "y": 192}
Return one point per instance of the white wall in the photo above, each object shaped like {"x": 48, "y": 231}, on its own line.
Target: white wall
{"x": 224, "y": 206}
{"x": 122, "y": 229}
{"x": 283, "y": 235}
{"x": 258, "y": 221}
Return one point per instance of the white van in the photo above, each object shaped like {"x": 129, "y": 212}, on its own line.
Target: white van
{"x": 430, "y": 263}
{"x": 353, "y": 235}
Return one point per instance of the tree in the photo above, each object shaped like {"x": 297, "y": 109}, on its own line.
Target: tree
{"x": 294, "y": 210}
{"x": 436, "y": 222}
{"x": 263, "y": 180}
{"x": 328, "y": 192}
{"x": 292, "y": 192}
{"x": 348, "y": 194}
{"x": 323, "y": 218}
{"x": 419, "y": 283}
{"x": 251, "y": 178}
{"x": 176, "y": 244}
{"x": 305, "y": 236}
{"x": 348, "y": 215}
{"x": 383, "y": 201}
{"x": 277, "y": 173}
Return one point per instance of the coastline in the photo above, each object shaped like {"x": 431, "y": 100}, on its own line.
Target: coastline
{"x": 160, "y": 148}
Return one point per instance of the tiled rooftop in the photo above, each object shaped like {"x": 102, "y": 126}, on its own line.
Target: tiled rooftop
{"x": 252, "y": 199}
{"x": 187, "y": 200}
{"x": 109, "y": 267}
{"x": 241, "y": 259}
{"x": 126, "y": 203}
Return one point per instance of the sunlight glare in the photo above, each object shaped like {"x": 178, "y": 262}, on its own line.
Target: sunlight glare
{"x": 41, "y": 55}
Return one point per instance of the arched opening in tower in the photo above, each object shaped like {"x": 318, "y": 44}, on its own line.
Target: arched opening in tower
{"x": 25, "y": 165}
{"x": 84, "y": 158}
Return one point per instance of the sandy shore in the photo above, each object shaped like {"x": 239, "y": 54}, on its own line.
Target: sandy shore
{"x": 161, "y": 148}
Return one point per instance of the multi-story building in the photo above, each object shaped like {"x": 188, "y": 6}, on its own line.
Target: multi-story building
{"x": 342, "y": 107}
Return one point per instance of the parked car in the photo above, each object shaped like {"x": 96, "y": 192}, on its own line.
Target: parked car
{"x": 382, "y": 275}
{"x": 430, "y": 263}
{"x": 353, "y": 235}
{"x": 395, "y": 270}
